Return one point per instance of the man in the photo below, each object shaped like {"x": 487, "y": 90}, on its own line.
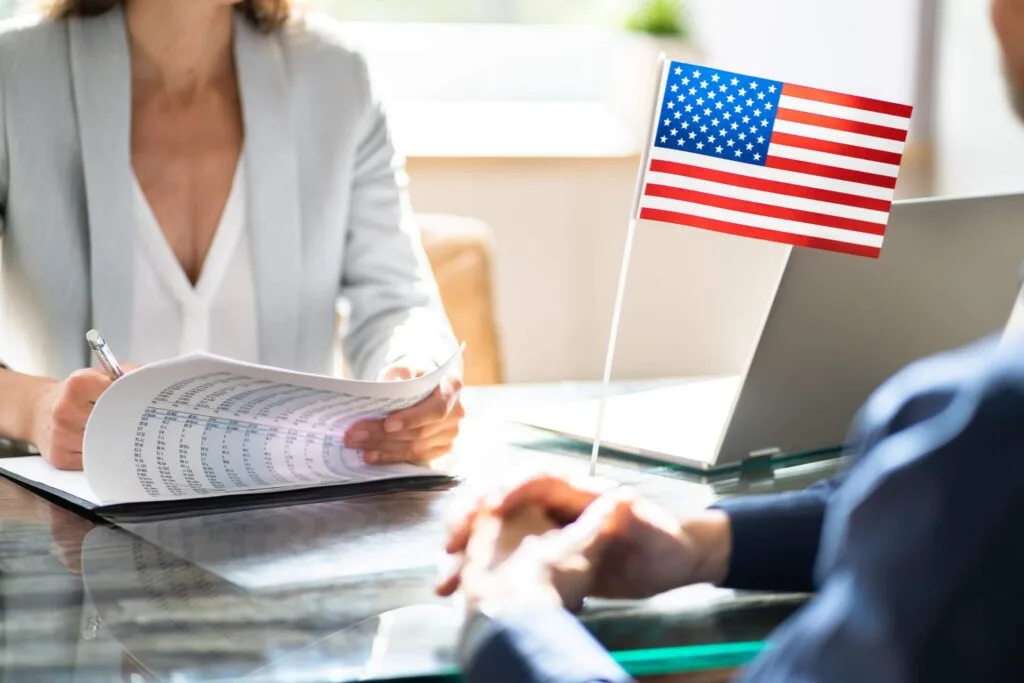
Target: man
{"x": 915, "y": 551}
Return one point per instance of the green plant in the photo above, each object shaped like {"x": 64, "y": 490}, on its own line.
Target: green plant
{"x": 660, "y": 18}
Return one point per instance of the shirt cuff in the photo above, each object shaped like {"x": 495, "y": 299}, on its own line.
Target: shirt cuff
{"x": 775, "y": 541}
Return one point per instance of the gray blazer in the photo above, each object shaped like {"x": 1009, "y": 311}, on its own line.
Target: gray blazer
{"x": 328, "y": 210}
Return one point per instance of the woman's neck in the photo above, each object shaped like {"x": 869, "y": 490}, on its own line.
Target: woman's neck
{"x": 179, "y": 46}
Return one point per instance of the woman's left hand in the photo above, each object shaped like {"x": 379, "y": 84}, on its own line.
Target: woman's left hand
{"x": 419, "y": 434}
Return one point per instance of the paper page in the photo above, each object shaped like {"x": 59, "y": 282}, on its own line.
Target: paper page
{"x": 33, "y": 468}
{"x": 201, "y": 426}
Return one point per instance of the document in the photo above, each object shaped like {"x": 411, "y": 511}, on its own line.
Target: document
{"x": 201, "y": 427}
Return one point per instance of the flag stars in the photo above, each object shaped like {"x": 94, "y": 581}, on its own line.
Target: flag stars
{"x": 684, "y": 125}
{"x": 738, "y": 109}
{"x": 693, "y": 135}
{"x": 703, "y": 129}
{"x": 671, "y": 105}
{"x": 675, "y": 88}
{"x": 750, "y": 103}
{"x": 686, "y": 79}
{"x": 764, "y": 122}
{"x": 678, "y": 115}
{"x": 757, "y": 157}
{"x": 753, "y": 85}
{"x": 750, "y": 146}
{"x": 767, "y": 106}
{"x": 681, "y": 141}
{"x": 707, "y": 112}
{"x": 743, "y": 136}
{"x": 700, "y": 145}
{"x": 711, "y": 139}
{"x": 704, "y": 85}
{"x": 743, "y": 92}
{"x": 673, "y": 132}
{"x": 735, "y": 125}
{"x": 715, "y": 122}
{"x": 746, "y": 119}
{"x": 696, "y": 118}
{"x": 696, "y": 74}
{"x": 715, "y": 78}
{"x": 689, "y": 108}
{"x": 731, "y": 143}
{"x": 726, "y": 116}
{"x": 735, "y": 82}
{"x": 712, "y": 95}
{"x": 723, "y": 88}
{"x": 693, "y": 91}
{"x": 679, "y": 70}
{"x": 719, "y": 106}
{"x": 664, "y": 139}
{"x": 760, "y": 95}
{"x": 700, "y": 101}
{"x": 681, "y": 98}
{"x": 753, "y": 129}
{"x": 668, "y": 122}
{"x": 719, "y": 149}
{"x": 730, "y": 99}
{"x": 760, "y": 140}
{"x": 771, "y": 89}
{"x": 739, "y": 153}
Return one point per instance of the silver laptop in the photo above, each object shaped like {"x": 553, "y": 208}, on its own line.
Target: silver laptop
{"x": 839, "y": 326}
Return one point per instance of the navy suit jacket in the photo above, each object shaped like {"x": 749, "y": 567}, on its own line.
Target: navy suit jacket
{"x": 914, "y": 552}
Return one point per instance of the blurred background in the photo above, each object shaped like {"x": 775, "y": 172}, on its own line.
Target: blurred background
{"x": 522, "y": 122}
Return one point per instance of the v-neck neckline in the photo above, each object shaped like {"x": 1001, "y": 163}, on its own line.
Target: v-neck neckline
{"x": 218, "y": 257}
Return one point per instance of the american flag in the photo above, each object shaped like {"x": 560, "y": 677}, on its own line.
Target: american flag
{"x": 759, "y": 158}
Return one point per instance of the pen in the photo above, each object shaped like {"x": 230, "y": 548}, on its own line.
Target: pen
{"x": 103, "y": 354}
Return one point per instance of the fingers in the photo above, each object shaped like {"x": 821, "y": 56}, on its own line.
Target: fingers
{"x": 562, "y": 500}
{"x": 596, "y": 526}
{"x": 444, "y": 400}
{"x": 86, "y": 386}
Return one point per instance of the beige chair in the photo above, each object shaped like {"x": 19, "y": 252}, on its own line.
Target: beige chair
{"x": 460, "y": 251}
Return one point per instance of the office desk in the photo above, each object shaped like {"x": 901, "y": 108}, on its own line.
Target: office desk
{"x": 334, "y": 591}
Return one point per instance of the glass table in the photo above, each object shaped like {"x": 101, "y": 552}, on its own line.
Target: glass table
{"x": 340, "y": 590}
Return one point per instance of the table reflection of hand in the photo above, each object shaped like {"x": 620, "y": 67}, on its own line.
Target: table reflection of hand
{"x": 68, "y": 531}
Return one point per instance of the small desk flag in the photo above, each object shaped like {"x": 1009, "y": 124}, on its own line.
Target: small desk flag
{"x": 775, "y": 161}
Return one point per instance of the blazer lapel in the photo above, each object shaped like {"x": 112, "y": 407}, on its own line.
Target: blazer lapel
{"x": 101, "y": 82}
{"x": 272, "y": 174}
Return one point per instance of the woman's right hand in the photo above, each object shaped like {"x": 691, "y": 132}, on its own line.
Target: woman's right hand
{"x": 60, "y": 411}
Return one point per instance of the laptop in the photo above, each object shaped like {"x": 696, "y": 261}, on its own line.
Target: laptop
{"x": 838, "y": 327}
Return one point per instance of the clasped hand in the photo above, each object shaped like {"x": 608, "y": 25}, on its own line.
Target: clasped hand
{"x": 601, "y": 544}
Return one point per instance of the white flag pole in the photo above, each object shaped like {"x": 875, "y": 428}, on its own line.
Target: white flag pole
{"x": 624, "y": 267}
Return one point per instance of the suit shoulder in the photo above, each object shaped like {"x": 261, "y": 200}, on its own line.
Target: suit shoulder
{"x": 28, "y": 32}
{"x": 324, "y": 38}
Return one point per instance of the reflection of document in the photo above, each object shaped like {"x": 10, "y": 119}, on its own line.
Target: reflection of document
{"x": 202, "y": 426}
{"x": 308, "y": 545}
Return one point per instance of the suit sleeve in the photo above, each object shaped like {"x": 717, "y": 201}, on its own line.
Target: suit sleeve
{"x": 919, "y": 553}
{"x": 538, "y": 647}
{"x": 396, "y": 309}
{"x": 776, "y": 538}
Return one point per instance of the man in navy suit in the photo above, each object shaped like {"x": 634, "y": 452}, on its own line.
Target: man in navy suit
{"x": 915, "y": 553}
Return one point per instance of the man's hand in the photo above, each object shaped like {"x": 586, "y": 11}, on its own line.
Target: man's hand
{"x": 525, "y": 560}
{"x": 649, "y": 551}
{"x": 419, "y": 434}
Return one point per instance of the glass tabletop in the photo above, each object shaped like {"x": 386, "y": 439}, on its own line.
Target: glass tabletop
{"x": 332, "y": 591}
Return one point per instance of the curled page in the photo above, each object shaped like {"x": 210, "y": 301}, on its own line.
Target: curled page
{"x": 201, "y": 426}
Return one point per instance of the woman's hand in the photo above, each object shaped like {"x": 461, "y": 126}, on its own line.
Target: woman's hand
{"x": 60, "y": 411}
{"x": 419, "y": 434}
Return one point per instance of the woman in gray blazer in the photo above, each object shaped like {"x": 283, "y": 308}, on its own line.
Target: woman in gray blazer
{"x": 202, "y": 174}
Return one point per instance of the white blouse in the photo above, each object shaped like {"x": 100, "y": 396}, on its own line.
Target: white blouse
{"x": 171, "y": 316}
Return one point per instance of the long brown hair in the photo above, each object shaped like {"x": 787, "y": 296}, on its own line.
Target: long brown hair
{"x": 266, "y": 15}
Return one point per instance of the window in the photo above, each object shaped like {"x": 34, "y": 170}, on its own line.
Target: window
{"x": 503, "y": 11}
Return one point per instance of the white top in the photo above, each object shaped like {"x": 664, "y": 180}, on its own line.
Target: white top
{"x": 218, "y": 315}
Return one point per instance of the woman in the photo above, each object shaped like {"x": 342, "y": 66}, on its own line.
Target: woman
{"x": 202, "y": 174}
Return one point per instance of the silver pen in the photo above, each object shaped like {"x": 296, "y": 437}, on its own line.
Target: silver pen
{"x": 103, "y": 354}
